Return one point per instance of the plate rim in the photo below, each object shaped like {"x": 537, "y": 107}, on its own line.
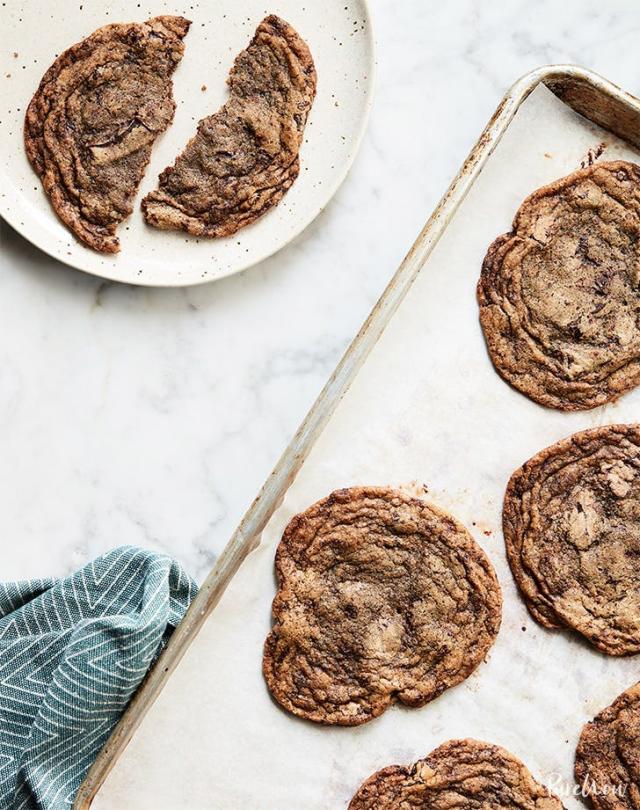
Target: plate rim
{"x": 54, "y": 251}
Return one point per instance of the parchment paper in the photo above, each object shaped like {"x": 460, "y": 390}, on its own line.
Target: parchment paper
{"x": 428, "y": 408}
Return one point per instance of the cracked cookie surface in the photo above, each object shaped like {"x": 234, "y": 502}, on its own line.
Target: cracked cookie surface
{"x": 381, "y": 598}
{"x": 608, "y": 755}
{"x": 91, "y": 124}
{"x": 559, "y": 295}
{"x": 461, "y": 774}
{"x": 243, "y": 158}
{"x": 571, "y": 523}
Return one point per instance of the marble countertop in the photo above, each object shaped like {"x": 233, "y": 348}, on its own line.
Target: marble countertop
{"x": 153, "y": 417}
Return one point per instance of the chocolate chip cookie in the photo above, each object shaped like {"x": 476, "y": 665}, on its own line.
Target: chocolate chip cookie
{"x": 560, "y": 294}
{"x": 571, "y": 521}
{"x": 244, "y": 157}
{"x": 461, "y": 774}
{"x": 608, "y": 755}
{"x": 381, "y": 598}
{"x": 91, "y": 124}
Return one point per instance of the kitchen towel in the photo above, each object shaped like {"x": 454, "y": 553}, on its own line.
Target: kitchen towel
{"x": 72, "y": 653}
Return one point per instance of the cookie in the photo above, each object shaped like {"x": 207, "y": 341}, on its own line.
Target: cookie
{"x": 381, "y": 598}
{"x": 608, "y": 755}
{"x": 91, "y": 124}
{"x": 559, "y": 295}
{"x": 243, "y": 158}
{"x": 461, "y": 774}
{"x": 571, "y": 522}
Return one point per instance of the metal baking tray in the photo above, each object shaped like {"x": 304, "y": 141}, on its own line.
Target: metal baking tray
{"x": 537, "y": 687}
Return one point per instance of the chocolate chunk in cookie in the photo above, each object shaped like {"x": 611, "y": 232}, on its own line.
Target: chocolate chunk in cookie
{"x": 382, "y": 598}
{"x": 571, "y": 522}
{"x": 608, "y": 755}
{"x": 460, "y": 774}
{"x": 244, "y": 157}
{"x": 560, "y": 294}
{"x": 90, "y": 127}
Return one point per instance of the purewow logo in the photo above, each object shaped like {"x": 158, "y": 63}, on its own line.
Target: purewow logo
{"x": 565, "y": 789}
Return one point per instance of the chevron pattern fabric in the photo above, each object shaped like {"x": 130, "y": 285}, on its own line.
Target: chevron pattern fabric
{"x": 72, "y": 653}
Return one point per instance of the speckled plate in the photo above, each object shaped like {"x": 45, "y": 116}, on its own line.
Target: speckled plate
{"x": 341, "y": 41}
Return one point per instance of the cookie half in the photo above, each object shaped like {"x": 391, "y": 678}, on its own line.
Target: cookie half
{"x": 459, "y": 774}
{"x": 608, "y": 755}
{"x": 571, "y": 523}
{"x": 243, "y": 158}
{"x": 381, "y": 598}
{"x": 559, "y": 295}
{"x": 91, "y": 124}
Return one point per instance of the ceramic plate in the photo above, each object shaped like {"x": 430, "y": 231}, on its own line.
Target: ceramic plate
{"x": 341, "y": 41}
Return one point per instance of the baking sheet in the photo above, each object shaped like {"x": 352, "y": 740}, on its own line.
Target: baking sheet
{"x": 427, "y": 408}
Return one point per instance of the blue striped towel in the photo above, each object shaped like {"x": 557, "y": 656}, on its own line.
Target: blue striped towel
{"x": 72, "y": 653}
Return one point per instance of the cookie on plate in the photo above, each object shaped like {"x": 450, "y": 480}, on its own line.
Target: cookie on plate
{"x": 91, "y": 124}
{"x": 571, "y": 522}
{"x": 381, "y": 598}
{"x": 243, "y": 158}
{"x": 461, "y": 774}
{"x": 559, "y": 295}
{"x": 608, "y": 755}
